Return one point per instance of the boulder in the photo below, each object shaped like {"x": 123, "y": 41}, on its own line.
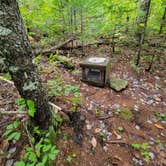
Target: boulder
{"x": 118, "y": 84}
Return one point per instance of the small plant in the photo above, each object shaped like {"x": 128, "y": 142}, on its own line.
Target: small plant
{"x": 98, "y": 112}
{"x": 160, "y": 116}
{"x": 37, "y": 59}
{"x": 56, "y": 88}
{"x": 12, "y": 131}
{"x": 120, "y": 128}
{"x": 143, "y": 148}
{"x": 22, "y": 103}
{"x": 102, "y": 136}
{"x": 69, "y": 159}
{"x": 39, "y": 153}
{"x": 124, "y": 113}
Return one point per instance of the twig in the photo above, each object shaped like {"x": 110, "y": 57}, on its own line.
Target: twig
{"x": 104, "y": 117}
{"x": 13, "y": 112}
{"x": 117, "y": 142}
{"x": 55, "y": 106}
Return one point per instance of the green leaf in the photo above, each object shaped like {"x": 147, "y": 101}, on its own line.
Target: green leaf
{"x": 10, "y": 127}
{"x": 7, "y": 132}
{"x": 32, "y": 157}
{"x": 136, "y": 146}
{"x": 40, "y": 164}
{"x": 16, "y": 124}
{"x": 46, "y": 148}
{"x": 69, "y": 159}
{"x": 31, "y": 108}
{"x": 51, "y": 156}
{"x": 19, "y": 163}
{"x": 15, "y": 135}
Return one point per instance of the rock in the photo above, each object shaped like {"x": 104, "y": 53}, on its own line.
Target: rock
{"x": 137, "y": 127}
{"x": 105, "y": 148}
{"x": 9, "y": 162}
{"x": 119, "y": 137}
{"x": 12, "y": 150}
{"x": 151, "y": 155}
{"x": 118, "y": 84}
{"x": 149, "y": 102}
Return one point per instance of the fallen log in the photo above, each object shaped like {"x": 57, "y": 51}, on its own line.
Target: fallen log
{"x": 52, "y": 49}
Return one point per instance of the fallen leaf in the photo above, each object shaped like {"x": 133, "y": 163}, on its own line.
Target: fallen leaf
{"x": 159, "y": 126}
{"x": 158, "y": 99}
{"x": 97, "y": 130}
{"x": 94, "y": 142}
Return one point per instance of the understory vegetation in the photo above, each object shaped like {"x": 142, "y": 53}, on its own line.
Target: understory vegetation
{"x": 121, "y": 123}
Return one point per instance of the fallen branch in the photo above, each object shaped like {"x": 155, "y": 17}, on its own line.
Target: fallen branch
{"x": 50, "y": 50}
{"x": 117, "y": 142}
{"x": 2, "y": 111}
{"x": 104, "y": 117}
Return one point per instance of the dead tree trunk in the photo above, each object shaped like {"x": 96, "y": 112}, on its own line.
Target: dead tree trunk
{"x": 141, "y": 23}
{"x": 16, "y": 53}
{"x": 163, "y": 21}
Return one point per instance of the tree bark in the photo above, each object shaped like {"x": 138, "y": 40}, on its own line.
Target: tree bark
{"x": 163, "y": 21}
{"x": 16, "y": 53}
{"x": 141, "y": 23}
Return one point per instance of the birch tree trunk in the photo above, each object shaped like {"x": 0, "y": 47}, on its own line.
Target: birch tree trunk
{"x": 16, "y": 53}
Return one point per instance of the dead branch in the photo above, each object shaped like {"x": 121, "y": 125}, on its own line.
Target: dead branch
{"x": 12, "y": 112}
{"x": 52, "y": 49}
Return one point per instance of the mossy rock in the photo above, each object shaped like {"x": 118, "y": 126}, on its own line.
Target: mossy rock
{"x": 124, "y": 113}
{"x": 118, "y": 84}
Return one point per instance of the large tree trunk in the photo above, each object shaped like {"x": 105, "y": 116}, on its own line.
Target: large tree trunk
{"x": 141, "y": 23}
{"x": 16, "y": 53}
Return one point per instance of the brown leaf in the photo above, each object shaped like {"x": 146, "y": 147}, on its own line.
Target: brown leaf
{"x": 159, "y": 126}
{"x": 94, "y": 142}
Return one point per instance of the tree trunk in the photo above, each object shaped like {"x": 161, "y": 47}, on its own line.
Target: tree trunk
{"x": 163, "y": 21}
{"x": 16, "y": 53}
{"x": 127, "y": 24}
{"x": 142, "y": 22}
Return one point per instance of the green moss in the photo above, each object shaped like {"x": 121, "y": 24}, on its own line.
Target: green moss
{"x": 124, "y": 113}
{"x": 118, "y": 84}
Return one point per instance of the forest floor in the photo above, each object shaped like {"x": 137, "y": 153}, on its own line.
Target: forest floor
{"x": 100, "y": 134}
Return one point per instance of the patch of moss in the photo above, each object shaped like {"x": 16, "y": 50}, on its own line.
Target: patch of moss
{"x": 124, "y": 113}
{"x": 118, "y": 84}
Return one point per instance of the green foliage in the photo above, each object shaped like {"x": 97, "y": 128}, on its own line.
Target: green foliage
{"x": 37, "y": 59}
{"x": 56, "y": 88}
{"x": 143, "y": 148}
{"x": 7, "y": 76}
{"x": 99, "y": 18}
{"x": 160, "y": 116}
{"x": 120, "y": 128}
{"x": 69, "y": 159}
{"x": 12, "y": 131}
{"x": 31, "y": 108}
{"x": 63, "y": 60}
{"x": 22, "y": 103}
{"x": 124, "y": 113}
{"x": 39, "y": 153}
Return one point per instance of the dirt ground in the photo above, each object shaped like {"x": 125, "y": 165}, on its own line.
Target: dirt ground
{"x": 99, "y": 136}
